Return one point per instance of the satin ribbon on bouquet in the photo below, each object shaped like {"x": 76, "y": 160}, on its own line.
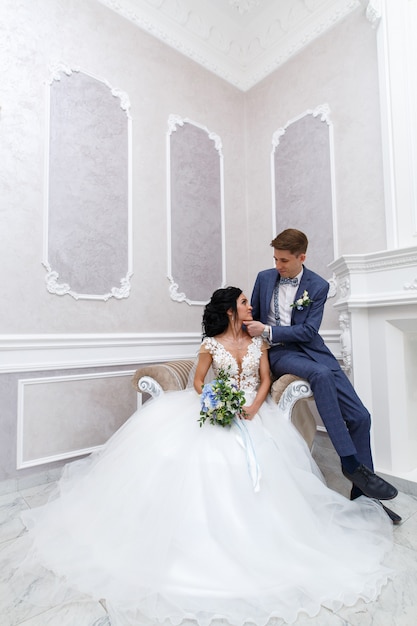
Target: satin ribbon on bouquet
{"x": 245, "y": 440}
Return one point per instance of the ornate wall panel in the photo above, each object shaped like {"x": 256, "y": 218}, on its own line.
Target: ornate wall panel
{"x": 88, "y": 214}
{"x": 303, "y": 186}
{"x": 63, "y": 417}
{"x": 195, "y": 212}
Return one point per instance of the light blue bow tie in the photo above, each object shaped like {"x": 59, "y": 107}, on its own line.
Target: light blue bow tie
{"x": 288, "y": 281}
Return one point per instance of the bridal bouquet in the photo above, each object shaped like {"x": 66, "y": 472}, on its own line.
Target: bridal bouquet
{"x": 221, "y": 400}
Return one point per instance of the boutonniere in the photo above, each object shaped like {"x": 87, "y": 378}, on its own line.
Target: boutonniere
{"x": 300, "y": 303}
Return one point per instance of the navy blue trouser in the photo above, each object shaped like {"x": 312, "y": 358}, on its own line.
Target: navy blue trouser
{"x": 346, "y": 419}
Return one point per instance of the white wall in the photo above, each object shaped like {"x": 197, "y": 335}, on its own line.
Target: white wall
{"x": 159, "y": 82}
{"x": 45, "y": 335}
{"x": 340, "y": 69}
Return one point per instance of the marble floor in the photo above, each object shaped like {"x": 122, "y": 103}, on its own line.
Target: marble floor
{"x": 396, "y": 606}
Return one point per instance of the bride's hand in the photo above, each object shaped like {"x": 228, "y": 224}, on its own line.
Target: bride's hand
{"x": 248, "y": 413}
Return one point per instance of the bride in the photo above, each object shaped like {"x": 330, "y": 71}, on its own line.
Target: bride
{"x": 175, "y": 521}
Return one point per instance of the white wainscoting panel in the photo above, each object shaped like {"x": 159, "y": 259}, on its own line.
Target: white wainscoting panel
{"x": 62, "y": 417}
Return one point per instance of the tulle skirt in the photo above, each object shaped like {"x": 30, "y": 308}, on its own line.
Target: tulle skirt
{"x": 172, "y": 521}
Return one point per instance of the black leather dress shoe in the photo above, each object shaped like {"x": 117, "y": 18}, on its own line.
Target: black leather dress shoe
{"x": 394, "y": 517}
{"x": 370, "y": 484}
{"x": 355, "y": 493}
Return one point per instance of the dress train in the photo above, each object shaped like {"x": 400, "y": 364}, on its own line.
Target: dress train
{"x": 172, "y": 522}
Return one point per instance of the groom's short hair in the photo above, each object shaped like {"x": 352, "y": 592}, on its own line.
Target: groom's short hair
{"x": 292, "y": 240}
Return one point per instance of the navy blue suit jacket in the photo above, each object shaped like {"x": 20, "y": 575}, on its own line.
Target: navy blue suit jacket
{"x": 303, "y": 334}
{"x": 305, "y": 354}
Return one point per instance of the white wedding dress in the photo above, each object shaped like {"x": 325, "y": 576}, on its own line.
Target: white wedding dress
{"x": 174, "y": 522}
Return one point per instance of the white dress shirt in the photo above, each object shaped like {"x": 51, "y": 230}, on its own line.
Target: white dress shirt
{"x": 286, "y": 297}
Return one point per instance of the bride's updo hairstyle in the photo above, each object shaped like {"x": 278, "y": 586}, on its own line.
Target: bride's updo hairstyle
{"x": 215, "y": 319}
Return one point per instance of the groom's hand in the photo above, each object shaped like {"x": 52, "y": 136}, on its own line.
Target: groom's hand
{"x": 254, "y": 328}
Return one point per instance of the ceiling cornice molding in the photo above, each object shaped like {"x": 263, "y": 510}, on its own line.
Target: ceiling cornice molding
{"x": 297, "y": 38}
{"x": 242, "y": 43}
{"x": 244, "y": 6}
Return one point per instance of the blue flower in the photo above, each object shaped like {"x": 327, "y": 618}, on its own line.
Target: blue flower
{"x": 221, "y": 401}
{"x": 208, "y": 398}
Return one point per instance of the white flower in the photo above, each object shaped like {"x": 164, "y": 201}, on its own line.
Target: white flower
{"x": 300, "y": 303}
{"x": 221, "y": 401}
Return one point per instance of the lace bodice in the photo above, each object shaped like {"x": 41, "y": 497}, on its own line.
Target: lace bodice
{"x": 246, "y": 378}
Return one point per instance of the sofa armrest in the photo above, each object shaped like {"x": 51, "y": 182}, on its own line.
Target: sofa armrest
{"x": 170, "y": 376}
{"x": 287, "y": 389}
{"x": 290, "y": 393}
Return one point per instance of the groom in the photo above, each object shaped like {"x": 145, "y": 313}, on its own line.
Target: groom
{"x": 288, "y": 305}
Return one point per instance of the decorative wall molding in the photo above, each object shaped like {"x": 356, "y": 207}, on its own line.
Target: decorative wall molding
{"x": 344, "y": 286}
{"x": 61, "y": 289}
{"x": 332, "y": 287}
{"x": 57, "y": 69}
{"x": 377, "y": 261}
{"x": 374, "y": 12}
{"x": 41, "y": 353}
{"x": 76, "y": 183}
{"x": 412, "y": 285}
{"x": 24, "y": 458}
{"x": 377, "y": 279}
{"x": 322, "y": 110}
{"x": 195, "y": 207}
{"x": 378, "y": 316}
{"x": 241, "y": 46}
{"x": 378, "y": 300}
{"x": 244, "y": 6}
{"x": 306, "y": 175}
{"x": 346, "y": 342}
{"x": 31, "y": 353}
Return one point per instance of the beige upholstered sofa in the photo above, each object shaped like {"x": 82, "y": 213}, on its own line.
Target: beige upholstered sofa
{"x": 289, "y": 392}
